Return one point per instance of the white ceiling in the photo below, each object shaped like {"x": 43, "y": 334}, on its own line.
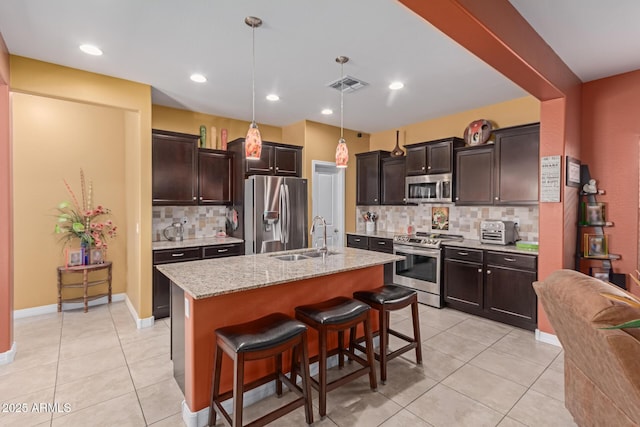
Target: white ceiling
{"x": 162, "y": 42}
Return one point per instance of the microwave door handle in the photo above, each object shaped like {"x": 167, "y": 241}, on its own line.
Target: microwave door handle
{"x": 439, "y": 190}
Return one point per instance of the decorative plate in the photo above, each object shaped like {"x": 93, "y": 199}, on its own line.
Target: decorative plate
{"x": 478, "y": 132}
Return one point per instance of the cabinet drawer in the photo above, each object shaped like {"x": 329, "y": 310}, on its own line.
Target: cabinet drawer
{"x": 175, "y": 255}
{"x": 379, "y": 244}
{"x": 527, "y": 262}
{"x": 219, "y": 251}
{"x": 356, "y": 241}
{"x": 463, "y": 254}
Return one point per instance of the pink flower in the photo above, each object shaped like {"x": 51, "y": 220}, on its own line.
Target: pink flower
{"x": 99, "y": 226}
{"x": 88, "y": 213}
{"x": 93, "y": 225}
{"x": 109, "y": 223}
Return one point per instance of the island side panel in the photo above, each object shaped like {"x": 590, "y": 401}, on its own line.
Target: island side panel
{"x": 208, "y": 314}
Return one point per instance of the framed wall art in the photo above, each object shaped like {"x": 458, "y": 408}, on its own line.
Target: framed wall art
{"x": 573, "y": 172}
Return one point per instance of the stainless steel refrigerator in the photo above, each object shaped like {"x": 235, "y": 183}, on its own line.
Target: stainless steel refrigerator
{"x": 275, "y": 214}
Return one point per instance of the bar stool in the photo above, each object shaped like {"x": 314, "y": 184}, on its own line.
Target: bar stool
{"x": 337, "y": 315}
{"x": 269, "y": 336}
{"x": 387, "y": 299}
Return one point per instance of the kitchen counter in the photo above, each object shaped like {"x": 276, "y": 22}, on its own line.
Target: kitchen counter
{"x": 210, "y": 294}
{"x": 475, "y": 244}
{"x": 191, "y": 243}
{"x": 214, "y": 277}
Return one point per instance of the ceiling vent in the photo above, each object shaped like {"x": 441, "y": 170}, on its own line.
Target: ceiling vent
{"x": 348, "y": 84}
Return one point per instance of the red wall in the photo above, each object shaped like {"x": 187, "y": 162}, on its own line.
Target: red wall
{"x": 6, "y": 260}
{"x": 610, "y": 139}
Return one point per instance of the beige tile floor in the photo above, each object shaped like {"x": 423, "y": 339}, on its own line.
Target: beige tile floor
{"x": 102, "y": 371}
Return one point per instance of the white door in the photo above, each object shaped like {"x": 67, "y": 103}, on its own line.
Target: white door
{"x": 328, "y": 202}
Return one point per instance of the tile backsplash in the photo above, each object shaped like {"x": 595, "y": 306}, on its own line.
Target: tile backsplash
{"x": 464, "y": 220}
{"x": 202, "y": 221}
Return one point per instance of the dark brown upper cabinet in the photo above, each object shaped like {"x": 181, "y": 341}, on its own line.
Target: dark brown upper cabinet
{"x": 275, "y": 159}
{"x": 183, "y": 174}
{"x": 392, "y": 181}
{"x": 368, "y": 174}
{"x": 215, "y": 177}
{"x": 433, "y": 157}
{"x": 503, "y": 173}
{"x": 474, "y": 175}
{"x": 517, "y": 155}
{"x": 174, "y": 172}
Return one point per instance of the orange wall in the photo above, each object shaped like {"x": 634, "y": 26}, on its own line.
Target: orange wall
{"x": 6, "y": 226}
{"x": 610, "y": 138}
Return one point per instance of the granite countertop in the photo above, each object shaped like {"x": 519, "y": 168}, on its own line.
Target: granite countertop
{"x": 192, "y": 243}
{"x": 211, "y": 277}
{"x": 381, "y": 234}
{"x": 475, "y": 244}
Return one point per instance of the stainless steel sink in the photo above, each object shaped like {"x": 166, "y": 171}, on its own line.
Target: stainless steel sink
{"x": 290, "y": 257}
{"x": 316, "y": 254}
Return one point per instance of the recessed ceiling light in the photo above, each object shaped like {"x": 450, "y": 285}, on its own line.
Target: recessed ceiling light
{"x": 90, "y": 49}
{"x": 396, "y": 85}
{"x": 198, "y": 78}
{"x": 273, "y": 97}
{"x": 327, "y": 111}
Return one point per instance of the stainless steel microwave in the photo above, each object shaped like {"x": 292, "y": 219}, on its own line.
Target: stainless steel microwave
{"x": 429, "y": 188}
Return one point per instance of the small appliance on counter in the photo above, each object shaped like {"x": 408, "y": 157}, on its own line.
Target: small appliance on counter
{"x": 497, "y": 232}
{"x": 174, "y": 232}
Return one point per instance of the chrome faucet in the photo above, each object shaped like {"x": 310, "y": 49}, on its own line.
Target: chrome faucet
{"x": 313, "y": 229}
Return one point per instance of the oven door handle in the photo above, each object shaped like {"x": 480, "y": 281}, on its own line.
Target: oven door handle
{"x": 412, "y": 251}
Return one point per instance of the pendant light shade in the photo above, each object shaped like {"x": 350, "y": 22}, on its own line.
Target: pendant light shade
{"x": 397, "y": 151}
{"x": 253, "y": 141}
{"x": 342, "y": 152}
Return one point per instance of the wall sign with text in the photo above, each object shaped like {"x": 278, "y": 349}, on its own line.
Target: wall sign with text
{"x": 550, "y": 178}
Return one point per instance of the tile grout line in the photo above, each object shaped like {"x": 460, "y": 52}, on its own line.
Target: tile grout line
{"x": 55, "y": 383}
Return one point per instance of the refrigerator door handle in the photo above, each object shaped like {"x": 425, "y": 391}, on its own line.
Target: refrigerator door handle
{"x": 287, "y": 212}
{"x": 283, "y": 218}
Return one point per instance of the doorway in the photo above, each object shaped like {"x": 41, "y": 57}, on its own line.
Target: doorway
{"x": 328, "y": 201}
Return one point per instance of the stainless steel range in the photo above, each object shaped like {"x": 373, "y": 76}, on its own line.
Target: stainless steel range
{"x": 422, "y": 268}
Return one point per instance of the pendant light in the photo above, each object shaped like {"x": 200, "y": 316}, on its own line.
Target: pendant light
{"x": 397, "y": 151}
{"x": 342, "y": 152}
{"x": 253, "y": 141}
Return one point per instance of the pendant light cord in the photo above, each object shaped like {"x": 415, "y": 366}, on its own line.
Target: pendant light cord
{"x": 341, "y": 100}
{"x": 253, "y": 75}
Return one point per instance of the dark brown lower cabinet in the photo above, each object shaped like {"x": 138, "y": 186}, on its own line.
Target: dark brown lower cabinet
{"x": 492, "y": 284}
{"x": 162, "y": 285}
{"x": 378, "y": 244}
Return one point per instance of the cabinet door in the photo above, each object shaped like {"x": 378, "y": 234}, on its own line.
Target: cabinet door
{"x": 510, "y": 297}
{"x": 161, "y": 294}
{"x": 288, "y": 161}
{"x": 463, "y": 285}
{"x": 262, "y": 166}
{"x": 439, "y": 157}
{"x": 517, "y": 161}
{"x": 416, "y": 160}
{"x": 474, "y": 176}
{"x": 392, "y": 181}
{"x": 221, "y": 251}
{"x": 214, "y": 177}
{"x": 174, "y": 168}
{"x": 368, "y": 179}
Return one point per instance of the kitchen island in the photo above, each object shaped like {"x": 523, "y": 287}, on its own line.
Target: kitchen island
{"x": 210, "y": 294}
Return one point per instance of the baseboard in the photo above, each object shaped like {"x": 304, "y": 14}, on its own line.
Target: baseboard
{"x": 147, "y": 322}
{"x": 201, "y": 418}
{"x": 8, "y": 356}
{"x": 547, "y": 338}
{"x": 53, "y": 308}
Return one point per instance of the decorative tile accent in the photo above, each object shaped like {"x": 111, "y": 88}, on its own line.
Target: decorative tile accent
{"x": 202, "y": 221}
{"x": 464, "y": 220}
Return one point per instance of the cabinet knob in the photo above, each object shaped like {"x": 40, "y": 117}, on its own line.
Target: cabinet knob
{"x": 423, "y": 168}
{"x": 457, "y": 198}
{"x": 195, "y": 198}
{"x": 488, "y": 271}
{"x": 479, "y": 270}
{"x": 375, "y": 200}
{"x": 200, "y": 197}
{"x": 496, "y": 198}
{"x": 271, "y": 168}
{"x": 277, "y": 168}
{"x": 429, "y": 167}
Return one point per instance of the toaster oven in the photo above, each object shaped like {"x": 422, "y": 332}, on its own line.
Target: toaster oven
{"x": 497, "y": 232}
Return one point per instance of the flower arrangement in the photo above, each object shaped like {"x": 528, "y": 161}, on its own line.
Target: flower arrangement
{"x": 83, "y": 221}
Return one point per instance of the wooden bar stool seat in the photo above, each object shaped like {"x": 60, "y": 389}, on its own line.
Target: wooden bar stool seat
{"x": 269, "y": 336}
{"x": 337, "y": 315}
{"x": 386, "y": 299}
